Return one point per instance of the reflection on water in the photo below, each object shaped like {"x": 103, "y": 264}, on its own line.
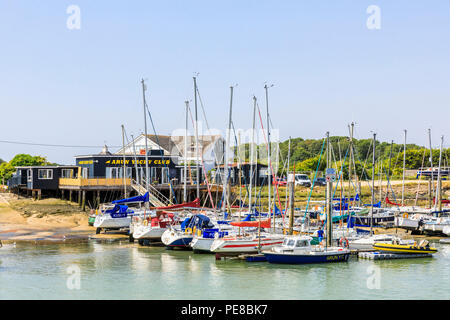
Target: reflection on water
{"x": 127, "y": 271}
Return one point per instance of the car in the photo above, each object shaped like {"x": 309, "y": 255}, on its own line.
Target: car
{"x": 321, "y": 182}
{"x": 302, "y": 180}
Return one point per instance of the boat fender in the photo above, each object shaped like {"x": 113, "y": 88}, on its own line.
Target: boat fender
{"x": 405, "y": 215}
{"x": 343, "y": 242}
{"x": 194, "y": 230}
{"x": 145, "y": 222}
{"x": 216, "y": 236}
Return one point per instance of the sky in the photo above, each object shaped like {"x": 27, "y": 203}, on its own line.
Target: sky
{"x": 76, "y": 87}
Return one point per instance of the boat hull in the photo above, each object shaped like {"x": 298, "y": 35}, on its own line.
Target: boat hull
{"x": 173, "y": 239}
{"x": 224, "y": 246}
{"x": 201, "y": 245}
{"x": 305, "y": 258}
{"x": 148, "y": 232}
{"x": 107, "y": 222}
{"x": 392, "y": 248}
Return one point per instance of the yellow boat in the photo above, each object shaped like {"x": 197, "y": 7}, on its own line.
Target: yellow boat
{"x": 422, "y": 247}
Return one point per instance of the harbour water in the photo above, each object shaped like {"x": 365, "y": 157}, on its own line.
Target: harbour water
{"x": 127, "y": 271}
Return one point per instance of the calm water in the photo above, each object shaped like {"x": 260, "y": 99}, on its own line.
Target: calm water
{"x": 115, "y": 271}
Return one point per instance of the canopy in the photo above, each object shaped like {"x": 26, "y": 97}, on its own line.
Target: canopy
{"x": 143, "y": 198}
{"x": 262, "y": 224}
{"x": 392, "y": 203}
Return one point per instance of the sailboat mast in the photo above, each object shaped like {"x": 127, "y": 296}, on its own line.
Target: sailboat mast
{"x": 431, "y": 163}
{"x": 373, "y": 183}
{"x": 145, "y": 135}
{"x": 269, "y": 163}
{"x": 350, "y": 128}
{"x": 196, "y": 139}
{"x": 438, "y": 187}
{"x": 329, "y": 207}
{"x": 185, "y": 154}
{"x": 227, "y": 147}
{"x": 252, "y": 151}
{"x": 124, "y": 166}
{"x": 404, "y": 163}
{"x": 135, "y": 160}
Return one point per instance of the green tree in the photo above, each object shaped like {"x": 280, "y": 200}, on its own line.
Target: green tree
{"x": 6, "y": 171}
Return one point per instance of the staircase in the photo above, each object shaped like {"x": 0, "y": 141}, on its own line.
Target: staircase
{"x": 156, "y": 198}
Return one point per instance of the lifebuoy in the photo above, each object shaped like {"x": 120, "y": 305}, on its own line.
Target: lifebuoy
{"x": 343, "y": 241}
{"x": 188, "y": 230}
{"x": 405, "y": 215}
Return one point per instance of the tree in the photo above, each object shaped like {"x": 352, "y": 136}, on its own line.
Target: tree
{"x": 6, "y": 171}
{"x": 21, "y": 160}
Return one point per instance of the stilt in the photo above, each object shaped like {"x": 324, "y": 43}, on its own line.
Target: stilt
{"x": 98, "y": 199}
{"x": 83, "y": 201}
{"x": 39, "y": 194}
{"x": 70, "y": 195}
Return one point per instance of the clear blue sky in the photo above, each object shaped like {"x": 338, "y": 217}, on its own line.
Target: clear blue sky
{"x": 77, "y": 87}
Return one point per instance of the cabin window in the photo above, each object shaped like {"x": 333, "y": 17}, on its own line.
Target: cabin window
{"x": 45, "y": 174}
{"x": 291, "y": 243}
{"x": 301, "y": 243}
{"x": 66, "y": 173}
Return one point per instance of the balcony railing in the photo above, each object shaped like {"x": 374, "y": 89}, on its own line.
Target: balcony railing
{"x": 93, "y": 182}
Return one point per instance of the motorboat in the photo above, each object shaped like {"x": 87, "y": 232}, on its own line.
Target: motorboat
{"x": 298, "y": 250}
{"x": 395, "y": 247}
{"x": 366, "y": 243}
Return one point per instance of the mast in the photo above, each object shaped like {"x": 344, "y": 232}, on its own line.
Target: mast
{"x": 135, "y": 160}
{"x": 431, "y": 162}
{"x": 269, "y": 168}
{"x": 252, "y": 151}
{"x": 185, "y": 154}
{"x": 227, "y": 147}
{"x": 373, "y": 183}
{"x": 389, "y": 169}
{"x": 404, "y": 163}
{"x": 196, "y": 139}
{"x": 144, "y": 88}
{"x": 439, "y": 187}
{"x": 350, "y": 128}
{"x": 329, "y": 199}
{"x": 124, "y": 167}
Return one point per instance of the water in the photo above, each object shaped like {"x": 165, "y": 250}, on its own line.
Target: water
{"x": 123, "y": 271}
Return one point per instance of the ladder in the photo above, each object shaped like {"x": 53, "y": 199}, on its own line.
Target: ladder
{"x": 156, "y": 198}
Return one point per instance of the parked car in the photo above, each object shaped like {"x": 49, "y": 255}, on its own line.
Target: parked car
{"x": 320, "y": 182}
{"x": 302, "y": 180}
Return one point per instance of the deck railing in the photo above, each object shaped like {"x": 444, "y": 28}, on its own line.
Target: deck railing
{"x": 93, "y": 182}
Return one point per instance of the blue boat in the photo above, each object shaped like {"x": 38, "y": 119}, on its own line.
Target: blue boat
{"x": 298, "y": 250}
{"x": 182, "y": 238}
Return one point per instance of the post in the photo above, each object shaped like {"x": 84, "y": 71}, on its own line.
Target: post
{"x": 83, "y": 201}
{"x": 70, "y": 195}
{"x": 98, "y": 198}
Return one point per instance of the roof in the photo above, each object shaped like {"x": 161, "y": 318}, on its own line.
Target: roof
{"x": 47, "y": 167}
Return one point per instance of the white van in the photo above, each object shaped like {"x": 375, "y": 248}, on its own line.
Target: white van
{"x": 302, "y": 180}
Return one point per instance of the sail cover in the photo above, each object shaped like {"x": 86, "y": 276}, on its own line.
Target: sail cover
{"x": 143, "y": 198}
{"x": 263, "y": 223}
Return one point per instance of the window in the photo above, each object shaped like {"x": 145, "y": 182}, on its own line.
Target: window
{"x": 45, "y": 174}
{"x": 66, "y": 173}
{"x": 165, "y": 175}
{"x": 29, "y": 175}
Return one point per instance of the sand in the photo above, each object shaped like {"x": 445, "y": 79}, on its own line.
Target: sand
{"x": 43, "y": 220}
